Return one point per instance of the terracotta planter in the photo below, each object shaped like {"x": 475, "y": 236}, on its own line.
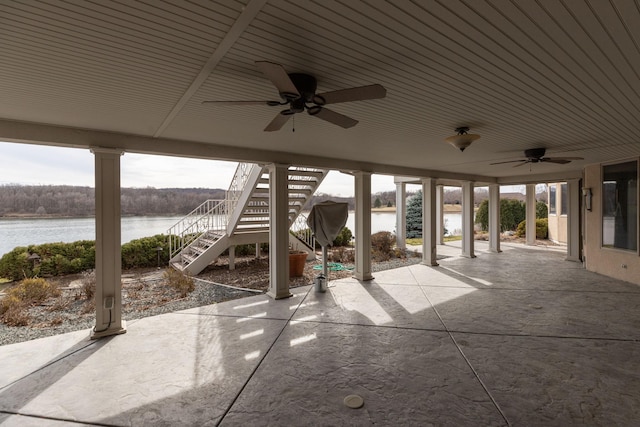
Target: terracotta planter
{"x": 297, "y": 259}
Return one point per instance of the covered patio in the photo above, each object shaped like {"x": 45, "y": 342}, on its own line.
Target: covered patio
{"x": 521, "y": 338}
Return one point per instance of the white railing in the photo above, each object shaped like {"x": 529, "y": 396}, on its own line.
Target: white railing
{"x": 237, "y": 186}
{"x": 303, "y": 232}
{"x": 209, "y": 216}
{"x": 239, "y": 181}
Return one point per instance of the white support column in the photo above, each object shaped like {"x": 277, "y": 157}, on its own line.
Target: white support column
{"x": 439, "y": 214}
{"x": 573, "y": 220}
{"x": 232, "y": 258}
{"x": 401, "y": 215}
{"x": 467, "y": 220}
{"x": 429, "y": 232}
{"x": 257, "y": 250}
{"x": 363, "y": 225}
{"x": 494, "y": 218}
{"x": 108, "y": 246}
{"x": 531, "y": 214}
{"x": 278, "y": 232}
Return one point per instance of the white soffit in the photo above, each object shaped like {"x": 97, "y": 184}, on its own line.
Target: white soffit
{"x": 563, "y": 75}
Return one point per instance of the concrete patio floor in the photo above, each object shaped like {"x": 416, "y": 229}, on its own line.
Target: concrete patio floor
{"x": 518, "y": 338}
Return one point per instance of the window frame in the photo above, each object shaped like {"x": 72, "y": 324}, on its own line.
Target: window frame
{"x": 602, "y": 205}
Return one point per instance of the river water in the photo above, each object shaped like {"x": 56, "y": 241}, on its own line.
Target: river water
{"x": 24, "y": 232}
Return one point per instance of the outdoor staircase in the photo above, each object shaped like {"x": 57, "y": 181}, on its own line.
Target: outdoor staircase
{"x": 242, "y": 218}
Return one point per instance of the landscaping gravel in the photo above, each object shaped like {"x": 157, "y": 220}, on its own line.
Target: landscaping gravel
{"x": 145, "y": 294}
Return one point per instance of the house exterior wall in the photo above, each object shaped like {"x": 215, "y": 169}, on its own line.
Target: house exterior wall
{"x": 607, "y": 261}
{"x": 557, "y": 220}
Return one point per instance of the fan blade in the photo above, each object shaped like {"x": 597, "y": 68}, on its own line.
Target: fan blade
{"x": 354, "y": 94}
{"x": 239, "y": 102}
{"x": 277, "y": 122}
{"x": 509, "y": 161}
{"x": 566, "y": 158}
{"x": 335, "y": 118}
{"x": 555, "y": 160}
{"x": 279, "y": 77}
{"x": 524, "y": 162}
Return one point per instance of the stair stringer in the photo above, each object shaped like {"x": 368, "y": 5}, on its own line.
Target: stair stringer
{"x": 208, "y": 256}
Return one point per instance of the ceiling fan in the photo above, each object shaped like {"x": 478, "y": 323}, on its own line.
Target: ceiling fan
{"x": 298, "y": 93}
{"x": 536, "y": 155}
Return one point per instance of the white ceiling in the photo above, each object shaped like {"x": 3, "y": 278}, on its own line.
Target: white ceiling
{"x": 560, "y": 74}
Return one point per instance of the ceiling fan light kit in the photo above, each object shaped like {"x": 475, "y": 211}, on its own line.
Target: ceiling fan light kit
{"x": 299, "y": 89}
{"x": 462, "y": 139}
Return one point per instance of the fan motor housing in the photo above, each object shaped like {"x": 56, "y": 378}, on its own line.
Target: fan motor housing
{"x": 305, "y": 84}
{"x": 534, "y": 153}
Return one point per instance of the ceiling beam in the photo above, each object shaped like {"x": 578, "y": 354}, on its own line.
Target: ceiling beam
{"x": 33, "y": 133}
{"x": 249, "y": 12}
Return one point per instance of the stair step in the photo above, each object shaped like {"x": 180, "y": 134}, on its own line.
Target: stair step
{"x": 253, "y": 222}
{"x": 305, "y": 191}
{"x": 255, "y": 214}
{"x": 316, "y": 174}
{"x": 188, "y": 257}
{"x": 258, "y": 198}
{"x": 251, "y": 230}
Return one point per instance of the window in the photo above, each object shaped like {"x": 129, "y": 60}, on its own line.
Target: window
{"x": 620, "y": 206}
{"x": 552, "y": 199}
{"x": 563, "y": 199}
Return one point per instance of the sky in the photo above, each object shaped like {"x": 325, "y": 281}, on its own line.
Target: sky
{"x": 28, "y": 164}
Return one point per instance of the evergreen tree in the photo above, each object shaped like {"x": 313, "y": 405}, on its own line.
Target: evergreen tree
{"x": 541, "y": 210}
{"x": 377, "y": 203}
{"x": 389, "y": 204}
{"x": 414, "y": 216}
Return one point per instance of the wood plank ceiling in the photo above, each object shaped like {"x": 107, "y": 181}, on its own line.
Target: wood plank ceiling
{"x": 559, "y": 74}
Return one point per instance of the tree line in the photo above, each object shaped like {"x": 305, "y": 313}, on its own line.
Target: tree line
{"x": 67, "y": 200}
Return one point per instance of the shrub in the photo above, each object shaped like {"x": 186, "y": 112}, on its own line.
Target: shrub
{"x": 382, "y": 244}
{"x": 542, "y": 228}
{"x": 482, "y": 215}
{"x": 344, "y": 238}
{"x": 88, "y": 284}
{"x": 13, "y": 307}
{"x": 512, "y": 212}
{"x": 55, "y": 259}
{"x": 15, "y": 265}
{"x": 179, "y": 281}
{"x": 343, "y": 255}
{"x": 141, "y": 253}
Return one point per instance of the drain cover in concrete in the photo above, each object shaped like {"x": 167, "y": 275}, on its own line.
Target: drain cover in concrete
{"x": 354, "y": 401}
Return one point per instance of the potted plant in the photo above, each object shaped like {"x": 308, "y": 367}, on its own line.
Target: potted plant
{"x": 297, "y": 259}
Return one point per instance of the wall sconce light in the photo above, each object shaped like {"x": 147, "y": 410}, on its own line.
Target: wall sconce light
{"x": 588, "y": 194}
{"x": 462, "y": 139}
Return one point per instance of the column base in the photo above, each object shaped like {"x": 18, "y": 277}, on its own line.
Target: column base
{"x": 281, "y": 295}
{"x": 468, "y": 256}
{"x": 495, "y": 251}
{"x": 111, "y": 331}
{"x": 430, "y": 264}
{"x": 363, "y": 277}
